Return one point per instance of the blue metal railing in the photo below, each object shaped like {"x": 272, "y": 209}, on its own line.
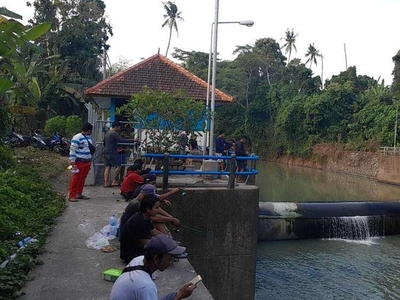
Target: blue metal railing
{"x": 232, "y": 172}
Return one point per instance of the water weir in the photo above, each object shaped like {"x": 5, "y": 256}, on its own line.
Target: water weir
{"x": 346, "y": 220}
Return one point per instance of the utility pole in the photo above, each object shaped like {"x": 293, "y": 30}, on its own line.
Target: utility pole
{"x": 104, "y": 64}
{"x": 345, "y": 55}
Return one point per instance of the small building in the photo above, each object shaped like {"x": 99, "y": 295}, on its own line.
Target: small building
{"x": 157, "y": 73}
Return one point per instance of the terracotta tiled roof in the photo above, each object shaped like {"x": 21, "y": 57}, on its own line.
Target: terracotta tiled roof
{"x": 158, "y": 73}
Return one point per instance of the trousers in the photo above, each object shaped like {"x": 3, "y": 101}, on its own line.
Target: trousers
{"x": 78, "y": 179}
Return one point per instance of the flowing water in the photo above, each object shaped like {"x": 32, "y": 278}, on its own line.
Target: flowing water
{"x": 350, "y": 263}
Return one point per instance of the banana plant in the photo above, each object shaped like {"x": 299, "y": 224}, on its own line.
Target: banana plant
{"x": 13, "y": 37}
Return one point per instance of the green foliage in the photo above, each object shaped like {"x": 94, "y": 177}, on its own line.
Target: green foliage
{"x": 164, "y": 115}
{"x": 29, "y": 208}
{"x": 73, "y": 125}
{"x": 6, "y": 159}
{"x": 56, "y": 124}
{"x": 67, "y": 126}
{"x": 79, "y": 33}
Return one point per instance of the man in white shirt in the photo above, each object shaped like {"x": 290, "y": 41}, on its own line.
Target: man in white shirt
{"x": 135, "y": 283}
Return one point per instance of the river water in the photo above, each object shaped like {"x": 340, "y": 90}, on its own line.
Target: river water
{"x": 329, "y": 268}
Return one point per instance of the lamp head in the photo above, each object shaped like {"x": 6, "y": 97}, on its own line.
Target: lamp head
{"x": 247, "y": 23}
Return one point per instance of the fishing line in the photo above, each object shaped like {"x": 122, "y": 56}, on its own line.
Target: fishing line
{"x": 210, "y": 235}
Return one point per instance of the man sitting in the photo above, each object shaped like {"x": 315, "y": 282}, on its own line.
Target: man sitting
{"x": 149, "y": 189}
{"x": 138, "y": 230}
{"x": 132, "y": 181}
{"x": 135, "y": 283}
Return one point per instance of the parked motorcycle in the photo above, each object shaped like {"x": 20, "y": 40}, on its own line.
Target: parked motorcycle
{"x": 17, "y": 140}
{"x": 60, "y": 144}
{"x": 41, "y": 142}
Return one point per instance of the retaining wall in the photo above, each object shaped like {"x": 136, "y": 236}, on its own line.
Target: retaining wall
{"x": 221, "y": 237}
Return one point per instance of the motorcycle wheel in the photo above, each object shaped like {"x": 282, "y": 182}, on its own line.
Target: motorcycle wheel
{"x": 63, "y": 151}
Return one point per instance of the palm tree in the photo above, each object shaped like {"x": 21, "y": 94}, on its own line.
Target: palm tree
{"x": 290, "y": 40}
{"x": 171, "y": 16}
{"x": 312, "y": 55}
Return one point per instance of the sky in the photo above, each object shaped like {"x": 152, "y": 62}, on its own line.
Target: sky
{"x": 368, "y": 28}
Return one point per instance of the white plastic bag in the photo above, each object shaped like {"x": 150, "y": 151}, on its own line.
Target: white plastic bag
{"x": 87, "y": 228}
{"x": 107, "y": 232}
{"x": 97, "y": 241}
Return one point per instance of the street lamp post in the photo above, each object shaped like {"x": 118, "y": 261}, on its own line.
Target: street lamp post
{"x": 247, "y": 23}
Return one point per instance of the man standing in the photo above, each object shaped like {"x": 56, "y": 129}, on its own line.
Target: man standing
{"x": 220, "y": 148}
{"x": 80, "y": 158}
{"x": 135, "y": 283}
{"x": 183, "y": 142}
{"x": 111, "y": 157}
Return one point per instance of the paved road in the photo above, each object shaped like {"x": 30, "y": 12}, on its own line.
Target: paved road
{"x": 72, "y": 271}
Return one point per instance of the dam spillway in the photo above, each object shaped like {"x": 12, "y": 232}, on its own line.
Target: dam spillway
{"x": 346, "y": 220}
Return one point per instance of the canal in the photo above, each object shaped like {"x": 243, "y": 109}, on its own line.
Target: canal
{"x": 328, "y": 268}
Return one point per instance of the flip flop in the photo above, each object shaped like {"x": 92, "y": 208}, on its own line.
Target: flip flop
{"x": 73, "y": 200}
{"x": 83, "y": 197}
{"x": 106, "y": 186}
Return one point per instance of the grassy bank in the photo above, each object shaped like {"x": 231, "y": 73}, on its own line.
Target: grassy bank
{"x": 29, "y": 207}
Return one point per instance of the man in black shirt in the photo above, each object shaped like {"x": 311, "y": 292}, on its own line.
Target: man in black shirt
{"x": 138, "y": 230}
{"x": 241, "y": 151}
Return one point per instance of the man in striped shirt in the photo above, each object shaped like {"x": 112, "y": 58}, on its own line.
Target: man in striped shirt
{"x": 80, "y": 158}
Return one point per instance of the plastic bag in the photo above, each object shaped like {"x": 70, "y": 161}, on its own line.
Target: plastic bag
{"x": 87, "y": 228}
{"x": 97, "y": 241}
{"x": 108, "y": 231}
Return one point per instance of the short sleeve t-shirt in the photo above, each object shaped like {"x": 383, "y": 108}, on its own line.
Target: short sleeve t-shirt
{"x": 131, "y": 182}
{"x": 134, "y": 285}
{"x": 135, "y": 229}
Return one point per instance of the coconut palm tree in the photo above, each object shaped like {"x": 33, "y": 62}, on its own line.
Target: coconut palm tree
{"x": 290, "y": 40}
{"x": 172, "y": 15}
{"x": 312, "y": 54}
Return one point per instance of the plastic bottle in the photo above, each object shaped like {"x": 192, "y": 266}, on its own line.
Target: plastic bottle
{"x": 113, "y": 225}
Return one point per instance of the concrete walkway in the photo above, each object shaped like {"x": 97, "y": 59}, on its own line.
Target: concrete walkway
{"x": 73, "y": 271}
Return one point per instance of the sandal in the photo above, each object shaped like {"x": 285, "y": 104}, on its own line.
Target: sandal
{"x": 82, "y": 197}
{"x": 107, "y": 186}
{"x": 73, "y": 200}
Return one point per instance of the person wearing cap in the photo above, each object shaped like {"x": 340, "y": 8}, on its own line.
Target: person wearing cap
{"x": 135, "y": 283}
{"x": 132, "y": 181}
{"x": 149, "y": 189}
{"x": 111, "y": 157}
{"x": 139, "y": 229}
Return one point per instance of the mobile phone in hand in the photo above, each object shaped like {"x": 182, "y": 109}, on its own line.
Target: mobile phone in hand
{"x": 196, "y": 280}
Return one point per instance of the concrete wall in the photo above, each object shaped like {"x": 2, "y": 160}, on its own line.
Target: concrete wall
{"x": 389, "y": 169}
{"x": 221, "y": 237}
{"x": 383, "y": 168}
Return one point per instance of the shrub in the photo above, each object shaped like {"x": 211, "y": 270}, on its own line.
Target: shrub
{"x": 6, "y": 159}
{"x": 29, "y": 207}
{"x": 56, "y": 124}
{"x": 73, "y": 125}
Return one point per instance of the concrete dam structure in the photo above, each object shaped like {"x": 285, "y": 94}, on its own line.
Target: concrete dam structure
{"x": 348, "y": 220}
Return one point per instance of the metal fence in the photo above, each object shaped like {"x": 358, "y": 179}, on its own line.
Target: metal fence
{"x": 390, "y": 150}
